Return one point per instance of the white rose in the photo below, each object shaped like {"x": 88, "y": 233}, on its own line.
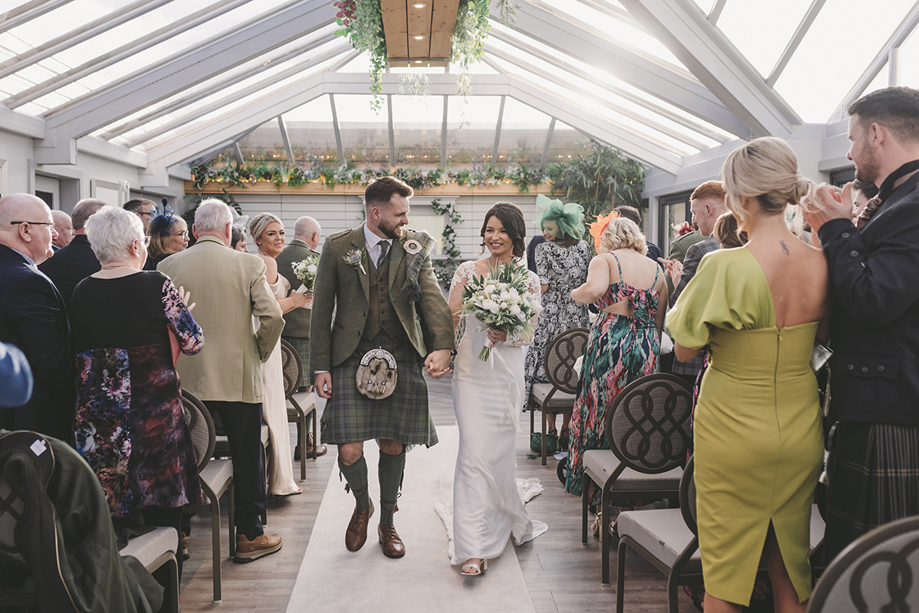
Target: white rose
{"x": 515, "y": 310}
{"x": 521, "y": 316}
{"x": 312, "y": 268}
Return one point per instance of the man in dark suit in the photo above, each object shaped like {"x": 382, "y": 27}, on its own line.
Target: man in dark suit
{"x": 873, "y": 467}
{"x": 33, "y": 317}
{"x": 76, "y": 261}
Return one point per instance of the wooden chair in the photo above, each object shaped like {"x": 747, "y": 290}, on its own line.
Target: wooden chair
{"x": 647, "y": 430}
{"x": 878, "y": 572}
{"x": 293, "y": 373}
{"x": 216, "y": 477}
{"x": 558, "y": 396}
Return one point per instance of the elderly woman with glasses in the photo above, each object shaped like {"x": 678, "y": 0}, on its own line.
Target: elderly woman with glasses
{"x": 130, "y": 423}
{"x": 168, "y": 235}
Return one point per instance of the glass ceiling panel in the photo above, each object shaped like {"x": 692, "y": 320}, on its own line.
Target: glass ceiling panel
{"x": 67, "y": 18}
{"x": 523, "y": 134}
{"x": 761, "y": 30}
{"x": 364, "y": 133}
{"x": 815, "y": 83}
{"x": 882, "y": 79}
{"x": 417, "y": 129}
{"x": 471, "y": 123}
{"x": 477, "y": 68}
{"x": 908, "y": 62}
{"x": 359, "y": 64}
{"x": 705, "y": 5}
{"x": 264, "y": 145}
{"x": 311, "y": 133}
{"x": 566, "y": 144}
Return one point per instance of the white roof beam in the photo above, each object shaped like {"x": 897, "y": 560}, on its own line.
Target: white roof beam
{"x": 545, "y": 149}
{"x": 236, "y": 96}
{"x": 494, "y": 150}
{"x": 896, "y": 39}
{"x": 181, "y": 103}
{"x": 443, "y": 133}
{"x": 627, "y": 113}
{"x": 715, "y": 14}
{"x": 125, "y": 51}
{"x": 613, "y": 11}
{"x": 27, "y": 12}
{"x": 336, "y": 126}
{"x": 18, "y": 123}
{"x": 392, "y": 132}
{"x": 648, "y": 74}
{"x": 286, "y": 138}
{"x": 196, "y": 66}
{"x": 701, "y": 47}
{"x": 74, "y": 37}
{"x": 795, "y": 41}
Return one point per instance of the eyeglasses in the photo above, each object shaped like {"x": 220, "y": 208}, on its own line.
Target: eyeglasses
{"x": 182, "y": 234}
{"x": 151, "y": 214}
{"x": 146, "y": 241}
{"x": 33, "y": 223}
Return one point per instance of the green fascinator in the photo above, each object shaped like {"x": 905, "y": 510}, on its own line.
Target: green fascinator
{"x": 569, "y": 217}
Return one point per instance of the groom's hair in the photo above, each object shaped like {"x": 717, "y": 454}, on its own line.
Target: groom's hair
{"x": 381, "y": 191}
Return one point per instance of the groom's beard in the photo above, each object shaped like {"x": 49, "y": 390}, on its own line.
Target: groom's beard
{"x": 393, "y": 232}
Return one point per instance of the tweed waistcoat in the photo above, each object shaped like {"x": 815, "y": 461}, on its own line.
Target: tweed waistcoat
{"x": 381, "y": 315}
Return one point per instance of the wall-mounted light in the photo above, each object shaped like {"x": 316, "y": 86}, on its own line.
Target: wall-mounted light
{"x": 417, "y": 61}
{"x": 418, "y": 36}
{"x": 418, "y": 5}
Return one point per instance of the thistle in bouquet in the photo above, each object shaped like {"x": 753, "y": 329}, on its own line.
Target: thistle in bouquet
{"x": 305, "y": 270}
{"x": 502, "y": 301}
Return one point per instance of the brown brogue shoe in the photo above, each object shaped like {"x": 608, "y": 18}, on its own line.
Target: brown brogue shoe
{"x": 393, "y": 547}
{"x": 356, "y": 535}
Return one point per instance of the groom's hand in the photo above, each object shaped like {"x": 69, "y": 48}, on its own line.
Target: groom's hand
{"x": 437, "y": 364}
{"x": 323, "y": 384}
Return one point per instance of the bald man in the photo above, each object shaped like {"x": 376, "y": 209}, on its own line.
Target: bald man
{"x": 63, "y": 225}
{"x": 33, "y": 317}
{"x": 297, "y": 322}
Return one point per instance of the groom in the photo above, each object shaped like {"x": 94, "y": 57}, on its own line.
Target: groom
{"x": 379, "y": 281}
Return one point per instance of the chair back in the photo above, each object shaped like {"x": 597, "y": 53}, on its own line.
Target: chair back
{"x": 688, "y": 496}
{"x": 878, "y": 572}
{"x": 648, "y": 425}
{"x": 292, "y": 368}
{"x": 561, "y": 354}
{"x": 201, "y": 427}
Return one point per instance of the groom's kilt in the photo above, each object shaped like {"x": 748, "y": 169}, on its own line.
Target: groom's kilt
{"x": 351, "y": 417}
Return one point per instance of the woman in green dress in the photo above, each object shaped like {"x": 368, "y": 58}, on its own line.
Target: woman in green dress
{"x": 758, "y": 433}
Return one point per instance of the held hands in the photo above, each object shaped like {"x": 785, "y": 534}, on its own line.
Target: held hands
{"x": 323, "y": 384}
{"x": 309, "y": 301}
{"x": 495, "y": 336}
{"x": 436, "y": 365}
{"x": 674, "y": 268}
{"x": 186, "y": 296}
{"x": 827, "y": 205}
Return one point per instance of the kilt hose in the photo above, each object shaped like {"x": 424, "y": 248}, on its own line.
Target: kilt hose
{"x": 350, "y": 417}
{"x": 873, "y": 473}
{"x": 301, "y": 345}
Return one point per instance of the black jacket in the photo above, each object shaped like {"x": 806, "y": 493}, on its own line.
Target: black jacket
{"x": 875, "y": 319}
{"x": 33, "y": 317}
{"x": 70, "y": 265}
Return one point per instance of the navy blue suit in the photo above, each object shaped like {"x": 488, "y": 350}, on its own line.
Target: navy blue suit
{"x": 70, "y": 265}
{"x": 33, "y": 317}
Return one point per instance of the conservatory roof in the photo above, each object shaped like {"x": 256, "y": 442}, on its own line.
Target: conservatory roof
{"x": 164, "y": 83}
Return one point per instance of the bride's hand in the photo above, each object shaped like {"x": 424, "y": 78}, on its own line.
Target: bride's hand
{"x": 496, "y": 336}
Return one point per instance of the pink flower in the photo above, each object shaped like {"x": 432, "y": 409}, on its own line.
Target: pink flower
{"x": 347, "y": 23}
{"x": 340, "y": 14}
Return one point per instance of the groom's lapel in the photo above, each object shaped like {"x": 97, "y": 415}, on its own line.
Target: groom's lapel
{"x": 360, "y": 243}
{"x": 395, "y": 261}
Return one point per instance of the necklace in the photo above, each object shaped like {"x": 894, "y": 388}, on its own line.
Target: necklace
{"x": 118, "y": 266}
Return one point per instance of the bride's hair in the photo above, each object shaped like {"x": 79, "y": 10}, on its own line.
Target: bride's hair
{"x": 511, "y": 218}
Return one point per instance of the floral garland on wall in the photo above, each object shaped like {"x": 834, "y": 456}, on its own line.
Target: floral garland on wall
{"x": 444, "y": 267}
{"x": 243, "y": 175}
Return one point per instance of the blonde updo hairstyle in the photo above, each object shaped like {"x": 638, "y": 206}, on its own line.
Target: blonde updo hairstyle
{"x": 766, "y": 170}
{"x": 622, "y": 233}
{"x": 258, "y": 224}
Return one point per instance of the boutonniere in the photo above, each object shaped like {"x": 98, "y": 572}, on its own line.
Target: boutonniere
{"x": 355, "y": 258}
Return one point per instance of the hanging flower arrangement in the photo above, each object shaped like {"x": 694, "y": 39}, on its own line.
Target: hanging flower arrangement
{"x": 362, "y": 22}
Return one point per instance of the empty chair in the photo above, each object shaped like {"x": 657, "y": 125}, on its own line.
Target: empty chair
{"x": 293, "y": 373}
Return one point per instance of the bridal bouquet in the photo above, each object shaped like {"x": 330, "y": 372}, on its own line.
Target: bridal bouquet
{"x": 501, "y": 300}
{"x": 306, "y": 272}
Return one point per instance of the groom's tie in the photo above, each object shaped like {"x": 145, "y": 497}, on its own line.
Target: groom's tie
{"x": 384, "y": 249}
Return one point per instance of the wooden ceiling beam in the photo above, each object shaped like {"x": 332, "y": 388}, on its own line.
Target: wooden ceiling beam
{"x": 395, "y": 27}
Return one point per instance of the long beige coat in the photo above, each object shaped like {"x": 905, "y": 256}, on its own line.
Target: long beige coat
{"x": 346, "y": 289}
{"x": 229, "y": 289}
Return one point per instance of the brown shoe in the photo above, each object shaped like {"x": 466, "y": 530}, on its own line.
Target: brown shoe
{"x": 356, "y": 535}
{"x": 261, "y": 546}
{"x": 393, "y": 547}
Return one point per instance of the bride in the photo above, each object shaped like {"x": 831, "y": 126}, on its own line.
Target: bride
{"x": 486, "y": 395}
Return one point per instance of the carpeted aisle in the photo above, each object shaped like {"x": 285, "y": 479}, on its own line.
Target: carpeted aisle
{"x": 333, "y": 579}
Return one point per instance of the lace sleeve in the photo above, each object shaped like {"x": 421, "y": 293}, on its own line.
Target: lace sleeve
{"x": 462, "y": 276}
{"x": 519, "y": 338}
{"x": 464, "y": 273}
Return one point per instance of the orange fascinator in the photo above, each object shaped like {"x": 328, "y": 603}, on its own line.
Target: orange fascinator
{"x": 597, "y": 228}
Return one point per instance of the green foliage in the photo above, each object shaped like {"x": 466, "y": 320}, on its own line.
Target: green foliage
{"x": 597, "y": 181}
{"x": 192, "y": 201}
{"x": 444, "y": 267}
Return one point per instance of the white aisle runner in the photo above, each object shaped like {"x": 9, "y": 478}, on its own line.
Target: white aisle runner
{"x": 333, "y": 579}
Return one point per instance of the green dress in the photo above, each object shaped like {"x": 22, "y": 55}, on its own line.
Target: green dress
{"x": 758, "y": 433}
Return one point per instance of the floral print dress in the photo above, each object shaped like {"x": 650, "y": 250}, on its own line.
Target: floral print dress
{"x": 562, "y": 269}
{"x": 130, "y": 423}
{"x": 619, "y": 350}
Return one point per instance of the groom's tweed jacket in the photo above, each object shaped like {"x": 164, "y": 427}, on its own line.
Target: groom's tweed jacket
{"x": 345, "y": 289}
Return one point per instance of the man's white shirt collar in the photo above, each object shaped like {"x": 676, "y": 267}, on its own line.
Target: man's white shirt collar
{"x": 373, "y": 244}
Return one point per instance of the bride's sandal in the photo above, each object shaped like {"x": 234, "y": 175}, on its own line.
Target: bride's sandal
{"x": 474, "y": 569}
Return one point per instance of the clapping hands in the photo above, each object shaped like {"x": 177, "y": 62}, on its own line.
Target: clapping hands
{"x": 186, "y": 296}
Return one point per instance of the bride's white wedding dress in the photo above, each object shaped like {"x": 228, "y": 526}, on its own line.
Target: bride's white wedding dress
{"x": 486, "y": 395}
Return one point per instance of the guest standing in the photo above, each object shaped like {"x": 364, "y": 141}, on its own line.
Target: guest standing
{"x": 168, "y": 235}
{"x": 561, "y": 264}
{"x": 486, "y": 505}
{"x": 873, "y": 466}
{"x": 268, "y": 232}
{"x": 238, "y": 240}
{"x": 63, "y": 225}
{"x": 757, "y": 425}
{"x": 130, "y": 423}
{"x": 76, "y": 261}
{"x": 230, "y": 289}
{"x": 33, "y": 317}
{"x": 624, "y": 341}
